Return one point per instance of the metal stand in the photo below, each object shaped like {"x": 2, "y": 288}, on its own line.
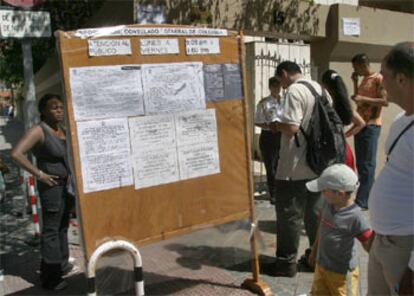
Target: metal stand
{"x": 110, "y": 245}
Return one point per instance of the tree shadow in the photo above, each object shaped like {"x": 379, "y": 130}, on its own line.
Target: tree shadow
{"x": 229, "y": 258}
{"x": 288, "y": 17}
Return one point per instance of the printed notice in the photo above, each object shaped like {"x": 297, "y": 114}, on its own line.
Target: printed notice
{"x": 202, "y": 46}
{"x": 232, "y": 81}
{"x": 149, "y": 46}
{"x": 351, "y": 26}
{"x": 109, "y": 47}
{"x": 170, "y": 148}
{"x": 196, "y": 127}
{"x": 213, "y": 82}
{"x": 152, "y": 168}
{"x": 152, "y": 132}
{"x": 198, "y": 160}
{"x": 104, "y": 154}
{"x": 106, "y": 92}
{"x": 171, "y": 88}
{"x": 197, "y": 144}
{"x": 153, "y": 143}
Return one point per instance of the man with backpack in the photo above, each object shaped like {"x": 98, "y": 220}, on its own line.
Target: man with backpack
{"x": 295, "y": 202}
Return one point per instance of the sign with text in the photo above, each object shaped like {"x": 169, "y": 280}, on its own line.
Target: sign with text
{"x": 202, "y": 46}
{"x": 20, "y": 24}
{"x": 109, "y": 47}
{"x": 351, "y": 26}
{"x": 150, "y": 46}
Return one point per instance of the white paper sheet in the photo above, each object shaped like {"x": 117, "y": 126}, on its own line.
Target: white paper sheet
{"x": 104, "y": 154}
{"x": 197, "y": 144}
{"x": 152, "y": 132}
{"x": 196, "y": 127}
{"x": 171, "y": 88}
{"x": 351, "y": 26}
{"x": 153, "y": 143}
{"x": 152, "y": 168}
{"x": 170, "y": 148}
{"x": 106, "y": 92}
{"x": 198, "y": 160}
{"x": 109, "y": 47}
{"x": 150, "y": 46}
{"x": 202, "y": 46}
{"x": 149, "y": 31}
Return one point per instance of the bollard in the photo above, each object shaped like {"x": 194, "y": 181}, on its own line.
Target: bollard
{"x": 110, "y": 245}
{"x": 33, "y": 199}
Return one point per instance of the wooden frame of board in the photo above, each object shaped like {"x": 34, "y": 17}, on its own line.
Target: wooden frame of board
{"x": 161, "y": 212}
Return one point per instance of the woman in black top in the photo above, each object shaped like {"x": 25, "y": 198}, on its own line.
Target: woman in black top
{"x": 47, "y": 142}
{"x": 335, "y": 85}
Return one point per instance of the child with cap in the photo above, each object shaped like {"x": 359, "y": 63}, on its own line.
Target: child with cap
{"x": 340, "y": 222}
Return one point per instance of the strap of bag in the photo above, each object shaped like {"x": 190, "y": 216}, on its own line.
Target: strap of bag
{"x": 398, "y": 138}
{"x": 310, "y": 87}
{"x": 316, "y": 95}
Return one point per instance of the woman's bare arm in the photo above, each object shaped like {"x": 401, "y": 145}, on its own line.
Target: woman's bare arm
{"x": 26, "y": 143}
{"x": 358, "y": 124}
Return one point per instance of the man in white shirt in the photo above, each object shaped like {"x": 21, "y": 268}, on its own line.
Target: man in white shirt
{"x": 391, "y": 202}
{"x": 294, "y": 201}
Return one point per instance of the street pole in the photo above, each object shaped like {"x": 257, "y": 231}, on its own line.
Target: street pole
{"x": 29, "y": 94}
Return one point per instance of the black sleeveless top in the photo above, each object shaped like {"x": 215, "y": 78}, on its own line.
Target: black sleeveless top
{"x": 51, "y": 154}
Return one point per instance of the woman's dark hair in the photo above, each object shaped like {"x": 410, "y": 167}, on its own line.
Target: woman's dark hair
{"x": 43, "y": 103}
{"x": 337, "y": 89}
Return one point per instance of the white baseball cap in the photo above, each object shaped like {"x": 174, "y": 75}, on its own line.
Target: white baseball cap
{"x": 335, "y": 177}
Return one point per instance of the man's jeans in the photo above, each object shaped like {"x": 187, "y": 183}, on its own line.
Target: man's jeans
{"x": 366, "y": 143}
{"x": 294, "y": 203}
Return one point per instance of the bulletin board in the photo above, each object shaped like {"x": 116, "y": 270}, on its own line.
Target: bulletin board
{"x": 210, "y": 188}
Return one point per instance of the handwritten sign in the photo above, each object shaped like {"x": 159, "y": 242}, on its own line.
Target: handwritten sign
{"x": 202, "y": 46}
{"x": 149, "y": 46}
{"x": 109, "y": 47}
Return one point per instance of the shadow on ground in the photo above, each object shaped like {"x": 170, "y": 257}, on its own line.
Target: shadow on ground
{"x": 229, "y": 258}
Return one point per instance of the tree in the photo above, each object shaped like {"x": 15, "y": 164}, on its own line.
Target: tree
{"x": 64, "y": 15}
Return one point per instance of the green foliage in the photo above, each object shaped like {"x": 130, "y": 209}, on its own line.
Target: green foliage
{"x": 65, "y": 15}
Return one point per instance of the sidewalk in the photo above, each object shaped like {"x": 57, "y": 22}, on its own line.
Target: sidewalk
{"x": 213, "y": 261}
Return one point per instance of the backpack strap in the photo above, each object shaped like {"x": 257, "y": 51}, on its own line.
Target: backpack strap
{"x": 398, "y": 138}
{"x": 310, "y": 87}
{"x": 316, "y": 95}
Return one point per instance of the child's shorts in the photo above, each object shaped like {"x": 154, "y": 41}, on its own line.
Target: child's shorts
{"x": 326, "y": 282}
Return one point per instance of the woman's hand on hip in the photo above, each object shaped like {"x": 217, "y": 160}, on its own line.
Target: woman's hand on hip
{"x": 50, "y": 180}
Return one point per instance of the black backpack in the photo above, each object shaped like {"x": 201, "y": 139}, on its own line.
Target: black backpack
{"x": 325, "y": 134}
